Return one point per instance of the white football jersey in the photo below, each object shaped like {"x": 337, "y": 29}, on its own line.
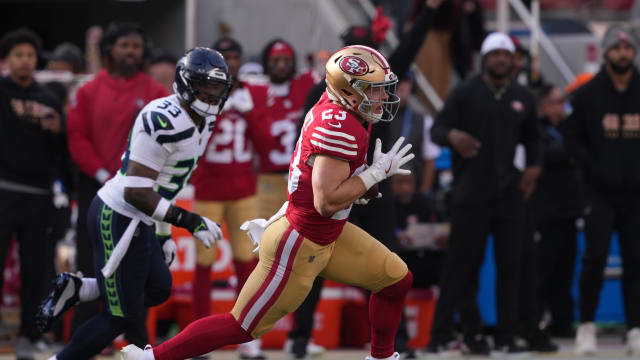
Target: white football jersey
{"x": 165, "y": 139}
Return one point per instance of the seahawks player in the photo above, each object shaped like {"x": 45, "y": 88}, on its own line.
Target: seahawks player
{"x": 167, "y": 139}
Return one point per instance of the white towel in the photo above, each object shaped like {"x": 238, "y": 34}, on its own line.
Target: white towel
{"x": 255, "y": 228}
{"x": 121, "y": 249}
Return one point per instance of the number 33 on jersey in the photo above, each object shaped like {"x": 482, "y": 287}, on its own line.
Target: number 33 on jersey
{"x": 165, "y": 139}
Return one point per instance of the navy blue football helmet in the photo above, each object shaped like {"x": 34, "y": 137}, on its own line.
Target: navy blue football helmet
{"x": 203, "y": 80}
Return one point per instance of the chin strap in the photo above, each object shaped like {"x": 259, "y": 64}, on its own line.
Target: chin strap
{"x": 203, "y": 109}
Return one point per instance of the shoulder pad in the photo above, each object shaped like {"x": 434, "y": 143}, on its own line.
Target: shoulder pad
{"x": 157, "y": 120}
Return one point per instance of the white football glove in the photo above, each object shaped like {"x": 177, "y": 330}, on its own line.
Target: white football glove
{"x": 240, "y": 100}
{"x": 386, "y": 165}
{"x": 363, "y": 201}
{"x": 169, "y": 250}
{"x": 208, "y": 232}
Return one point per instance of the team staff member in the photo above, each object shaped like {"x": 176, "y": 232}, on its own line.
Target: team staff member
{"x": 483, "y": 120}
{"x": 273, "y": 123}
{"x": 31, "y": 144}
{"x": 603, "y": 133}
{"x": 557, "y": 203}
{"x": 100, "y": 116}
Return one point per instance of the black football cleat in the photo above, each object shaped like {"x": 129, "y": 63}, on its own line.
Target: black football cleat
{"x": 65, "y": 294}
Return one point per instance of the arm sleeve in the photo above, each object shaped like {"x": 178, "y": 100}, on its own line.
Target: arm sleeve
{"x": 78, "y": 137}
{"x": 147, "y": 151}
{"x": 430, "y": 151}
{"x": 327, "y": 141}
{"x": 447, "y": 119}
{"x": 405, "y": 53}
{"x": 531, "y": 137}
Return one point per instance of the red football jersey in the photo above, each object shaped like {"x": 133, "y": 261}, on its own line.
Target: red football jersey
{"x": 226, "y": 170}
{"x": 331, "y": 130}
{"x": 273, "y": 125}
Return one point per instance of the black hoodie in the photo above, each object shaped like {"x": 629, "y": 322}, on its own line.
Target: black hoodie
{"x": 603, "y": 134}
{"x": 29, "y": 155}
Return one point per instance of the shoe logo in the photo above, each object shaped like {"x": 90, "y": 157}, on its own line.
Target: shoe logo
{"x": 389, "y": 169}
{"x": 311, "y": 258}
{"x": 163, "y": 123}
{"x": 338, "y": 125}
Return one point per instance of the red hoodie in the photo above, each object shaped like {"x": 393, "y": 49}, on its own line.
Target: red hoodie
{"x": 100, "y": 116}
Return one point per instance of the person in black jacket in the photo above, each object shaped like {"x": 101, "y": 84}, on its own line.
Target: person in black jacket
{"x": 557, "y": 204}
{"x": 483, "y": 120}
{"x": 603, "y": 134}
{"x": 31, "y": 145}
{"x": 377, "y": 218}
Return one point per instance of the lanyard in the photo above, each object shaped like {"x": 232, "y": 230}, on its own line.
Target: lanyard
{"x": 555, "y": 133}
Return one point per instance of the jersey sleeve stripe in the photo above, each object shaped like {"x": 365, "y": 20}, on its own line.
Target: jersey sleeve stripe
{"x": 333, "y": 141}
{"x": 333, "y": 148}
{"x": 163, "y": 139}
{"x": 145, "y": 123}
{"x": 335, "y": 133}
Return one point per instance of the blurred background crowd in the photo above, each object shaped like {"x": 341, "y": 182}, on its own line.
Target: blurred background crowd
{"x": 523, "y": 174}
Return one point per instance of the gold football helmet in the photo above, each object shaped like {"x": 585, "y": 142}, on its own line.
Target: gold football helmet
{"x": 360, "y": 78}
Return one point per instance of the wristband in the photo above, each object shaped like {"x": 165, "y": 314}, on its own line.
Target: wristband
{"x": 161, "y": 210}
{"x": 180, "y": 217}
{"x": 163, "y": 228}
{"x": 368, "y": 178}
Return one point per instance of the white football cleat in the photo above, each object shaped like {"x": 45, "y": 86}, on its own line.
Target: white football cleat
{"x": 313, "y": 349}
{"x": 395, "y": 356}
{"x": 633, "y": 342}
{"x": 132, "y": 352}
{"x": 251, "y": 350}
{"x": 586, "y": 343}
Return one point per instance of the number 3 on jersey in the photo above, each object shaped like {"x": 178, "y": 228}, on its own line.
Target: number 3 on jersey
{"x": 178, "y": 179}
{"x": 286, "y": 131}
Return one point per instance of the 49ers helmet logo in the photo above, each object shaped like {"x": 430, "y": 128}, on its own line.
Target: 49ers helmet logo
{"x": 354, "y": 66}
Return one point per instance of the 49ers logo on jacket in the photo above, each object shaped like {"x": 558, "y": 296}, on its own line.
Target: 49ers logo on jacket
{"x": 354, "y": 66}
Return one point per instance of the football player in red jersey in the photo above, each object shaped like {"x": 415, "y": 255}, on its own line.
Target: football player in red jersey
{"x": 273, "y": 127}
{"x": 310, "y": 235}
{"x": 225, "y": 189}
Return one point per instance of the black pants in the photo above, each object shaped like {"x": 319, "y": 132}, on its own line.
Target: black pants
{"x": 557, "y": 253}
{"x": 607, "y": 214}
{"x": 141, "y": 280}
{"x": 86, "y": 191}
{"x": 471, "y": 224}
{"x": 529, "y": 301}
{"x": 26, "y": 216}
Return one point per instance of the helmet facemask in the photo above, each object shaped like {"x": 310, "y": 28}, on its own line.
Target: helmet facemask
{"x": 379, "y": 99}
{"x": 209, "y": 91}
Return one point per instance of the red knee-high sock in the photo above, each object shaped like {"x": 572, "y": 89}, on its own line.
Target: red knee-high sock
{"x": 202, "y": 336}
{"x": 385, "y": 313}
{"x": 243, "y": 270}
{"x": 202, "y": 292}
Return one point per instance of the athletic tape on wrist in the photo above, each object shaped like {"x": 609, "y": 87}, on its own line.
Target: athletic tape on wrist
{"x": 367, "y": 178}
{"x": 137, "y": 182}
{"x": 161, "y": 210}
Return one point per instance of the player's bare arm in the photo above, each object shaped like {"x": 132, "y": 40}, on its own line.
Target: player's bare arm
{"x": 333, "y": 189}
{"x": 144, "y": 199}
